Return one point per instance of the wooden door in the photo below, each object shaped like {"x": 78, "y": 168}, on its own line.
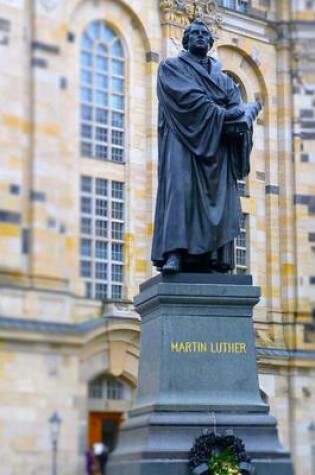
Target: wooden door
{"x": 104, "y": 427}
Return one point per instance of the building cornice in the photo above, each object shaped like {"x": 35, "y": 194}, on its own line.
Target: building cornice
{"x": 251, "y": 27}
{"x": 35, "y": 331}
{"x": 281, "y": 353}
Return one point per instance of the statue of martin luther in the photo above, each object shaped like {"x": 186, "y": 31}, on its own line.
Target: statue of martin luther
{"x": 201, "y": 157}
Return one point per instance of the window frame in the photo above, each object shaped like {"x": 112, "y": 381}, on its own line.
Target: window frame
{"x": 107, "y": 388}
{"x": 240, "y": 267}
{"x": 103, "y": 247}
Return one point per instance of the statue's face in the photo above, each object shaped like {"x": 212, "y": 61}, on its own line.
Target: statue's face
{"x": 199, "y": 39}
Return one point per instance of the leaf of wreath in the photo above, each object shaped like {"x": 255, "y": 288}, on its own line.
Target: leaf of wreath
{"x": 219, "y": 454}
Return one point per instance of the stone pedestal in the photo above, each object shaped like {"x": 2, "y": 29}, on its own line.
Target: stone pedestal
{"x": 197, "y": 372}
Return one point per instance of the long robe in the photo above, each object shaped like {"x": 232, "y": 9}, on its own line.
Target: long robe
{"x": 198, "y": 206}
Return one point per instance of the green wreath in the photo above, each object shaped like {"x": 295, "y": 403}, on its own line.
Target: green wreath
{"x": 219, "y": 454}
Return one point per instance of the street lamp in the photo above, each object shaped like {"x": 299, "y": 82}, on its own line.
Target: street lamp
{"x": 55, "y": 423}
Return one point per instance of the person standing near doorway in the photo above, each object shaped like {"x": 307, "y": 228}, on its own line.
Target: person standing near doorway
{"x": 101, "y": 456}
{"x": 91, "y": 463}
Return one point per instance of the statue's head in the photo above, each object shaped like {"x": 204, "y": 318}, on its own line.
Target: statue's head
{"x": 197, "y": 38}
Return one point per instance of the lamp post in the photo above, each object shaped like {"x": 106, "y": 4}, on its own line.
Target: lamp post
{"x": 54, "y": 423}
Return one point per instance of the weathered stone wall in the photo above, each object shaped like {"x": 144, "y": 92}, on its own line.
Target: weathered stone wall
{"x": 33, "y": 384}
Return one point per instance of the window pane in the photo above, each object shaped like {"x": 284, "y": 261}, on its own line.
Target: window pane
{"x": 86, "y": 94}
{"x": 96, "y": 389}
{"x": 86, "y": 59}
{"x": 101, "y": 63}
{"x": 241, "y": 257}
{"x": 101, "y": 249}
{"x": 86, "y": 226}
{"x": 118, "y": 120}
{"x": 86, "y": 184}
{"x": 102, "y": 50}
{"x": 101, "y": 151}
{"x": 117, "y": 138}
{"x": 117, "y": 49}
{"x": 118, "y": 67}
{"x": 86, "y": 131}
{"x": 114, "y": 389}
{"x": 101, "y": 270}
{"x": 117, "y": 273}
{"x": 95, "y": 29}
{"x": 100, "y": 291}
{"x": 86, "y": 113}
{"x": 241, "y": 240}
{"x": 117, "y": 231}
{"x": 86, "y": 247}
{"x": 243, "y": 221}
{"x": 118, "y": 85}
{"x": 86, "y": 42}
{"x": 101, "y": 207}
{"x": 117, "y": 292}
{"x": 101, "y": 228}
{"x": 117, "y": 154}
{"x": 117, "y": 252}
{"x": 117, "y": 190}
{"x": 86, "y": 149}
{"x": 85, "y": 268}
{"x": 117, "y": 210}
{"x": 228, "y": 3}
{"x": 242, "y": 6}
{"x": 88, "y": 290}
{"x": 86, "y": 76}
{"x": 101, "y": 81}
{"x": 86, "y": 205}
{"x": 101, "y": 186}
{"x": 101, "y": 116}
{"x": 101, "y": 98}
{"x": 116, "y": 102}
{"x": 242, "y": 188}
{"x": 101, "y": 134}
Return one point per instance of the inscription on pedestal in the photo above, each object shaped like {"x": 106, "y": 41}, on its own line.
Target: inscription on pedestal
{"x": 208, "y": 347}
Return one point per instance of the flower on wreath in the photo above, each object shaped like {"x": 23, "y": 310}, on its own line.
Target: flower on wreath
{"x": 219, "y": 454}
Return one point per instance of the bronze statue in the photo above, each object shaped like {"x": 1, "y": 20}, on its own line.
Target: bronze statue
{"x": 202, "y": 154}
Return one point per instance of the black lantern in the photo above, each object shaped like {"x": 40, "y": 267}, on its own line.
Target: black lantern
{"x": 54, "y": 424}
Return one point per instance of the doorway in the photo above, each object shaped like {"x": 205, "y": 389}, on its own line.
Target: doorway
{"x": 104, "y": 427}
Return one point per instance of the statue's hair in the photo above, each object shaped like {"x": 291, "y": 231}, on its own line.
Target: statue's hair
{"x": 185, "y": 39}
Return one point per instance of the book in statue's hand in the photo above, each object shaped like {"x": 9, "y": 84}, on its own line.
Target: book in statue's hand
{"x": 245, "y": 122}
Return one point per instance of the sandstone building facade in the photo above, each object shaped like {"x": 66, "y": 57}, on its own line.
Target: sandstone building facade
{"x": 78, "y": 114}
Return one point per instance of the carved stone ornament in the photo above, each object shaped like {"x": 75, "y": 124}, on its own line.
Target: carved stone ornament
{"x": 181, "y": 12}
{"x": 49, "y": 4}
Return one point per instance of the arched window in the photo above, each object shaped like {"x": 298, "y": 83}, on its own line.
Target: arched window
{"x": 241, "y": 243}
{"x": 102, "y": 94}
{"x": 109, "y": 389}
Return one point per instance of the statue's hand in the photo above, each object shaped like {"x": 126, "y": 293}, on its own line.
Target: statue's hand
{"x": 234, "y": 113}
